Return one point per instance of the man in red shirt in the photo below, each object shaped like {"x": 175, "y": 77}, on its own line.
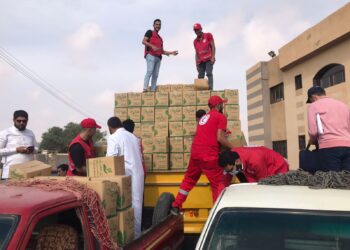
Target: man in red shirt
{"x": 82, "y": 148}
{"x": 254, "y": 162}
{"x": 205, "y": 53}
{"x": 153, "y": 53}
{"x": 209, "y": 136}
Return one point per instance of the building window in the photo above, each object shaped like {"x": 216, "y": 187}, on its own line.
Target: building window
{"x": 276, "y": 93}
{"x": 298, "y": 82}
{"x": 280, "y": 147}
{"x": 302, "y": 142}
{"x": 330, "y": 75}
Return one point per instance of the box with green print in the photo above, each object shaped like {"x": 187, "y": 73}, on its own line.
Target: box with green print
{"x": 105, "y": 166}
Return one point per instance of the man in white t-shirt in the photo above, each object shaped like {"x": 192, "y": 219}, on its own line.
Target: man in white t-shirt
{"x": 17, "y": 143}
{"x": 121, "y": 142}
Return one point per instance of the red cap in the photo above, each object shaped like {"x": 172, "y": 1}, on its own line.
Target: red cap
{"x": 215, "y": 100}
{"x": 197, "y": 26}
{"x": 89, "y": 123}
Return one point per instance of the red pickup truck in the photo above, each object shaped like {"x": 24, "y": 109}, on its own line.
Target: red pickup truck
{"x": 25, "y": 212}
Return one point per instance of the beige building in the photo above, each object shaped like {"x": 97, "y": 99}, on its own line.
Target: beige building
{"x": 277, "y": 89}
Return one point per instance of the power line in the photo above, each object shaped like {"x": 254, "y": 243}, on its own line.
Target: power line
{"x": 45, "y": 85}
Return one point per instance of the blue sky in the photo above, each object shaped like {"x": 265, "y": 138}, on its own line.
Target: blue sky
{"x": 91, "y": 49}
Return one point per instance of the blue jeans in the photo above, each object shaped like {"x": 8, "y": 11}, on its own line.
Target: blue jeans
{"x": 153, "y": 65}
{"x": 335, "y": 159}
{"x": 206, "y": 67}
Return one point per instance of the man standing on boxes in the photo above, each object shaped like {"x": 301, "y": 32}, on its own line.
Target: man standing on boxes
{"x": 205, "y": 53}
{"x": 17, "y": 143}
{"x": 204, "y": 153}
{"x": 123, "y": 143}
{"x": 82, "y": 148}
{"x": 153, "y": 54}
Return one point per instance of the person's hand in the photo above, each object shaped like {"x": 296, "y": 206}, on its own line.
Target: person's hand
{"x": 155, "y": 48}
{"x": 213, "y": 60}
{"x": 175, "y": 52}
{"x": 22, "y": 150}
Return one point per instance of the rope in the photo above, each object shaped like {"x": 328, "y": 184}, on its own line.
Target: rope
{"x": 330, "y": 179}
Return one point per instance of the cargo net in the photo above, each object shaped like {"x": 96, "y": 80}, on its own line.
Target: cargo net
{"x": 90, "y": 199}
{"x": 331, "y": 179}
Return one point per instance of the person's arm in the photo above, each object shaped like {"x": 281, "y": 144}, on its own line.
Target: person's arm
{"x": 312, "y": 126}
{"x": 222, "y": 139}
{"x": 77, "y": 154}
{"x": 213, "y": 50}
{"x": 167, "y": 53}
{"x": 196, "y": 56}
{"x": 5, "y": 151}
{"x": 112, "y": 148}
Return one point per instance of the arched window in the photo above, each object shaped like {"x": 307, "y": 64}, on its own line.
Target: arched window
{"x": 330, "y": 75}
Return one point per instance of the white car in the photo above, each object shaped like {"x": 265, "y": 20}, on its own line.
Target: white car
{"x": 267, "y": 217}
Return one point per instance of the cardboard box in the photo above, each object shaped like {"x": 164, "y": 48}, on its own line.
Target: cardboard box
{"x": 147, "y": 99}
{"x": 175, "y": 129}
{"x": 160, "y": 161}
{"x": 189, "y": 98}
{"x": 107, "y": 192}
{"x": 137, "y": 129}
{"x": 189, "y": 113}
{"x": 160, "y": 144}
{"x": 189, "y": 128}
{"x": 175, "y": 114}
{"x": 147, "y": 145}
{"x": 134, "y": 99}
{"x": 121, "y": 113}
{"x": 237, "y": 141}
{"x": 176, "y": 88}
{"x": 134, "y": 114}
{"x": 164, "y": 88}
{"x": 147, "y": 130}
{"x": 201, "y": 84}
{"x": 161, "y": 114}
{"x": 126, "y": 226}
{"x": 188, "y": 87}
{"x": 161, "y": 129}
{"x": 105, "y": 166}
{"x": 113, "y": 223}
{"x": 123, "y": 183}
{"x": 175, "y": 98}
{"x": 203, "y": 97}
{"x": 186, "y": 159}
{"x": 232, "y": 96}
{"x": 121, "y": 100}
{"x": 231, "y": 112}
{"x": 162, "y": 99}
{"x": 177, "y": 161}
{"x": 29, "y": 169}
{"x": 148, "y": 161}
{"x": 203, "y": 107}
{"x": 188, "y": 143}
{"x": 147, "y": 114}
{"x": 176, "y": 144}
{"x": 234, "y": 127}
{"x": 218, "y": 93}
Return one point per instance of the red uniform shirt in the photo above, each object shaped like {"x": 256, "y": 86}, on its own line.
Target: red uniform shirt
{"x": 260, "y": 162}
{"x": 205, "y": 144}
{"x": 203, "y": 47}
{"x": 156, "y": 40}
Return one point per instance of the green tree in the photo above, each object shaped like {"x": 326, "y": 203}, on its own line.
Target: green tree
{"x": 59, "y": 139}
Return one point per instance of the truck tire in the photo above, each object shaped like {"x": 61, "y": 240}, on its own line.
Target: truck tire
{"x": 162, "y": 208}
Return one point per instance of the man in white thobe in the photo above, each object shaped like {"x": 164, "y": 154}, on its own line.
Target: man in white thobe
{"x": 121, "y": 142}
{"x": 17, "y": 143}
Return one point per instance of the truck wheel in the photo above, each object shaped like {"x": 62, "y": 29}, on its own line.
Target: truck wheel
{"x": 162, "y": 208}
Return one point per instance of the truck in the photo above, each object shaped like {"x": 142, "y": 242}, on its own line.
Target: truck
{"x": 30, "y": 216}
{"x": 251, "y": 216}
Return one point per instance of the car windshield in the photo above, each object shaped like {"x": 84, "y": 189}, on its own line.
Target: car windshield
{"x": 8, "y": 224}
{"x": 266, "y": 229}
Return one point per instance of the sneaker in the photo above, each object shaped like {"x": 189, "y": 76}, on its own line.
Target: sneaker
{"x": 175, "y": 211}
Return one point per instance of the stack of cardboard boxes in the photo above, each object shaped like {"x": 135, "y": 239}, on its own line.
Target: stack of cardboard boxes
{"x": 106, "y": 176}
{"x": 165, "y": 121}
